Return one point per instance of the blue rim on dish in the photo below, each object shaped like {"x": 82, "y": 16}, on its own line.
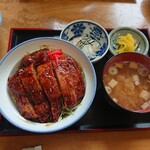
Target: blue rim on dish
{"x": 97, "y": 33}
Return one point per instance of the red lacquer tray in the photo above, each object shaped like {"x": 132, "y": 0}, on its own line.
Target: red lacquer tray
{"x": 101, "y": 116}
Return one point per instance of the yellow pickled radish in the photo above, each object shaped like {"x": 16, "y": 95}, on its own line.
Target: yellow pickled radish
{"x": 126, "y": 44}
{"x": 130, "y": 38}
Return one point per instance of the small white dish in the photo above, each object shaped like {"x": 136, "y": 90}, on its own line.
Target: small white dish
{"x": 89, "y": 36}
{"x": 11, "y": 60}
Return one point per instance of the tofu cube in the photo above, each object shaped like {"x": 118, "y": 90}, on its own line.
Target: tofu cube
{"x": 145, "y": 105}
{"x": 145, "y": 95}
{"x": 136, "y": 79}
{"x": 137, "y": 83}
{"x": 112, "y": 83}
{"x": 133, "y": 65}
{"x": 119, "y": 65}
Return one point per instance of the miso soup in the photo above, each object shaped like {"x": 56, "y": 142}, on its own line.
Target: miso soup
{"x": 128, "y": 84}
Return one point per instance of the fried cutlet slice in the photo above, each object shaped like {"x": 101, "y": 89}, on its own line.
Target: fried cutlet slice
{"x": 21, "y": 99}
{"x": 49, "y": 83}
{"x": 33, "y": 88}
{"x": 70, "y": 80}
{"x": 77, "y": 76}
{"x": 36, "y": 58}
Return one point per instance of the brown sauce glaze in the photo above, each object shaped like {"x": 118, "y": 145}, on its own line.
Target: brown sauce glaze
{"x": 51, "y": 81}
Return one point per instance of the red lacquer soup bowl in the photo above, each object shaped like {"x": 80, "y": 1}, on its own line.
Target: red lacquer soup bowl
{"x": 126, "y": 82}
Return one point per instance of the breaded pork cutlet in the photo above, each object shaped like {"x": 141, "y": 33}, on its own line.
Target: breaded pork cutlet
{"x": 49, "y": 83}
{"x": 21, "y": 99}
{"x": 33, "y": 88}
{"x": 36, "y": 58}
{"x": 70, "y": 80}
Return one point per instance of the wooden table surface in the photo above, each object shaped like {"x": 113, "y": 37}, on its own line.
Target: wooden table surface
{"x": 55, "y": 14}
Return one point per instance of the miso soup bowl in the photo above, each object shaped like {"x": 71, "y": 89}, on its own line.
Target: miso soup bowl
{"x": 128, "y": 56}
